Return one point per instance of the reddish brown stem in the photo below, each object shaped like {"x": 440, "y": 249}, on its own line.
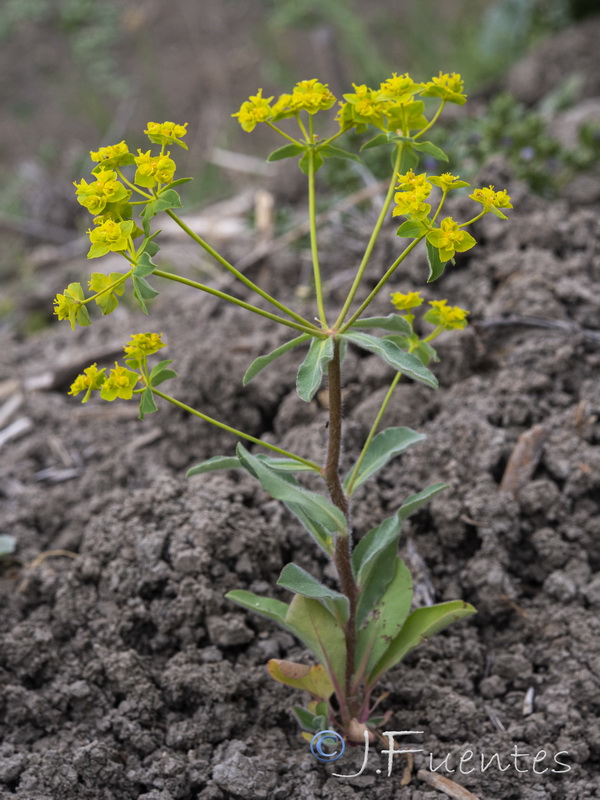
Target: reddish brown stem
{"x": 343, "y": 546}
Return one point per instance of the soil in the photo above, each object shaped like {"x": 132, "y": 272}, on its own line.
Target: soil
{"x": 123, "y": 671}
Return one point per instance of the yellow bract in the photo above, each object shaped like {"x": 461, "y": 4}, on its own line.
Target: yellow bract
{"x": 253, "y": 111}
{"x": 166, "y": 133}
{"x": 449, "y": 238}
{"x": 112, "y": 155}
{"x": 92, "y": 378}
{"x": 153, "y": 169}
{"x": 448, "y": 87}
{"x": 492, "y": 200}
{"x": 406, "y": 301}
{"x": 120, "y": 383}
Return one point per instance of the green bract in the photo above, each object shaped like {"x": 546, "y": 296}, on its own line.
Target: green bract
{"x": 360, "y": 628}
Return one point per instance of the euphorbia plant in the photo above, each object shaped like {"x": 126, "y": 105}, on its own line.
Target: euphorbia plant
{"x": 364, "y": 627}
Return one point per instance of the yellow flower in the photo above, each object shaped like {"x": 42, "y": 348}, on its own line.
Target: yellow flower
{"x": 363, "y": 106}
{"x": 411, "y": 204}
{"x": 166, "y": 133}
{"x": 153, "y": 169}
{"x": 440, "y": 314}
{"x": 105, "y": 189}
{"x": 112, "y": 156}
{"x": 120, "y": 382}
{"x": 110, "y": 236}
{"x": 92, "y": 378}
{"x": 400, "y": 87}
{"x": 143, "y": 344}
{"x": 70, "y": 305}
{"x": 409, "y": 182}
{"x": 406, "y": 301}
{"x": 311, "y": 96}
{"x": 253, "y": 111}
{"x": 447, "y": 181}
{"x": 449, "y": 238}
{"x": 492, "y": 201}
{"x": 447, "y": 87}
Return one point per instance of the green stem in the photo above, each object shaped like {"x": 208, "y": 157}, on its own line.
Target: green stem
{"x": 306, "y": 328}
{"x": 111, "y": 287}
{"x": 471, "y": 221}
{"x": 372, "y": 432}
{"x": 434, "y": 119}
{"x": 313, "y": 237}
{"x": 285, "y": 135}
{"x": 236, "y": 432}
{"x": 372, "y": 240}
{"x": 133, "y": 186}
{"x": 224, "y": 263}
{"x": 381, "y": 283}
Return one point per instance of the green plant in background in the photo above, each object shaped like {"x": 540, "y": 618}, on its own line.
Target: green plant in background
{"x": 364, "y": 627}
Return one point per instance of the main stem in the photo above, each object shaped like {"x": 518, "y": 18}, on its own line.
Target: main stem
{"x": 343, "y": 550}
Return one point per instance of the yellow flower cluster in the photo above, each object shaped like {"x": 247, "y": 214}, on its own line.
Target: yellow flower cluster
{"x": 92, "y": 378}
{"x": 310, "y": 96}
{"x": 405, "y": 301}
{"x": 448, "y": 87}
{"x": 110, "y": 236}
{"x": 143, "y": 345}
{"x": 153, "y": 169}
{"x": 70, "y": 305}
{"x": 166, "y": 133}
{"x": 112, "y": 156}
{"x": 492, "y": 200}
{"x": 410, "y": 201}
{"x": 445, "y": 316}
{"x": 105, "y": 189}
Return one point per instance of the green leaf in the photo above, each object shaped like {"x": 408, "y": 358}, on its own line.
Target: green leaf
{"x": 329, "y": 151}
{"x": 436, "y": 266}
{"x": 167, "y": 199}
{"x": 415, "y": 501}
{"x": 304, "y": 162}
{"x": 310, "y": 373}
{"x": 409, "y": 160}
{"x": 386, "y": 619}
{"x": 388, "y": 351}
{"x": 380, "y": 139}
{"x": 393, "y": 322}
{"x": 431, "y": 149}
{"x": 385, "y": 446}
{"x": 262, "y": 361}
{"x": 213, "y": 464}
{"x": 144, "y": 266}
{"x": 313, "y": 723}
{"x": 179, "y": 182}
{"x": 300, "y": 581}
{"x": 420, "y": 626}
{"x": 147, "y": 404}
{"x": 289, "y": 491}
{"x": 317, "y": 628}
{"x": 411, "y": 229}
{"x": 267, "y": 606}
{"x": 287, "y": 151}
{"x": 8, "y": 544}
{"x": 374, "y": 560}
{"x": 142, "y": 291}
{"x": 285, "y": 464}
{"x": 162, "y": 376}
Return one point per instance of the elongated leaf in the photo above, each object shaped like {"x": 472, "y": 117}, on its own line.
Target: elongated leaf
{"x": 262, "y": 361}
{"x": 285, "y": 464}
{"x": 311, "y": 679}
{"x": 378, "y": 567}
{"x": 142, "y": 291}
{"x": 385, "y": 446}
{"x": 403, "y": 362}
{"x": 179, "y": 182}
{"x": 387, "y": 618}
{"x": 319, "y": 532}
{"x": 310, "y": 374}
{"x": 436, "y": 265}
{"x": 213, "y": 464}
{"x": 380, "y": 139}
{"x": 415, "y": 501}
{"x": 289, "y": 491}
{"x": 393, "y": 322}
{"x": 267, "y": 606}
{"x": 420, "y": 626}
{"x": 287, "y": 151}
{"x": 302, "y": 582}
{"x": 411, "y": 229}
{"x": 329, "y": 151}
{"x": 431, "y": 149}
{"x": 316, "y": 627}
{"x": 409, "y": 160}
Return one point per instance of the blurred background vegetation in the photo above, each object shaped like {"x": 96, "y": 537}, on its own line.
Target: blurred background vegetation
{"x": 79, "y": 74}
